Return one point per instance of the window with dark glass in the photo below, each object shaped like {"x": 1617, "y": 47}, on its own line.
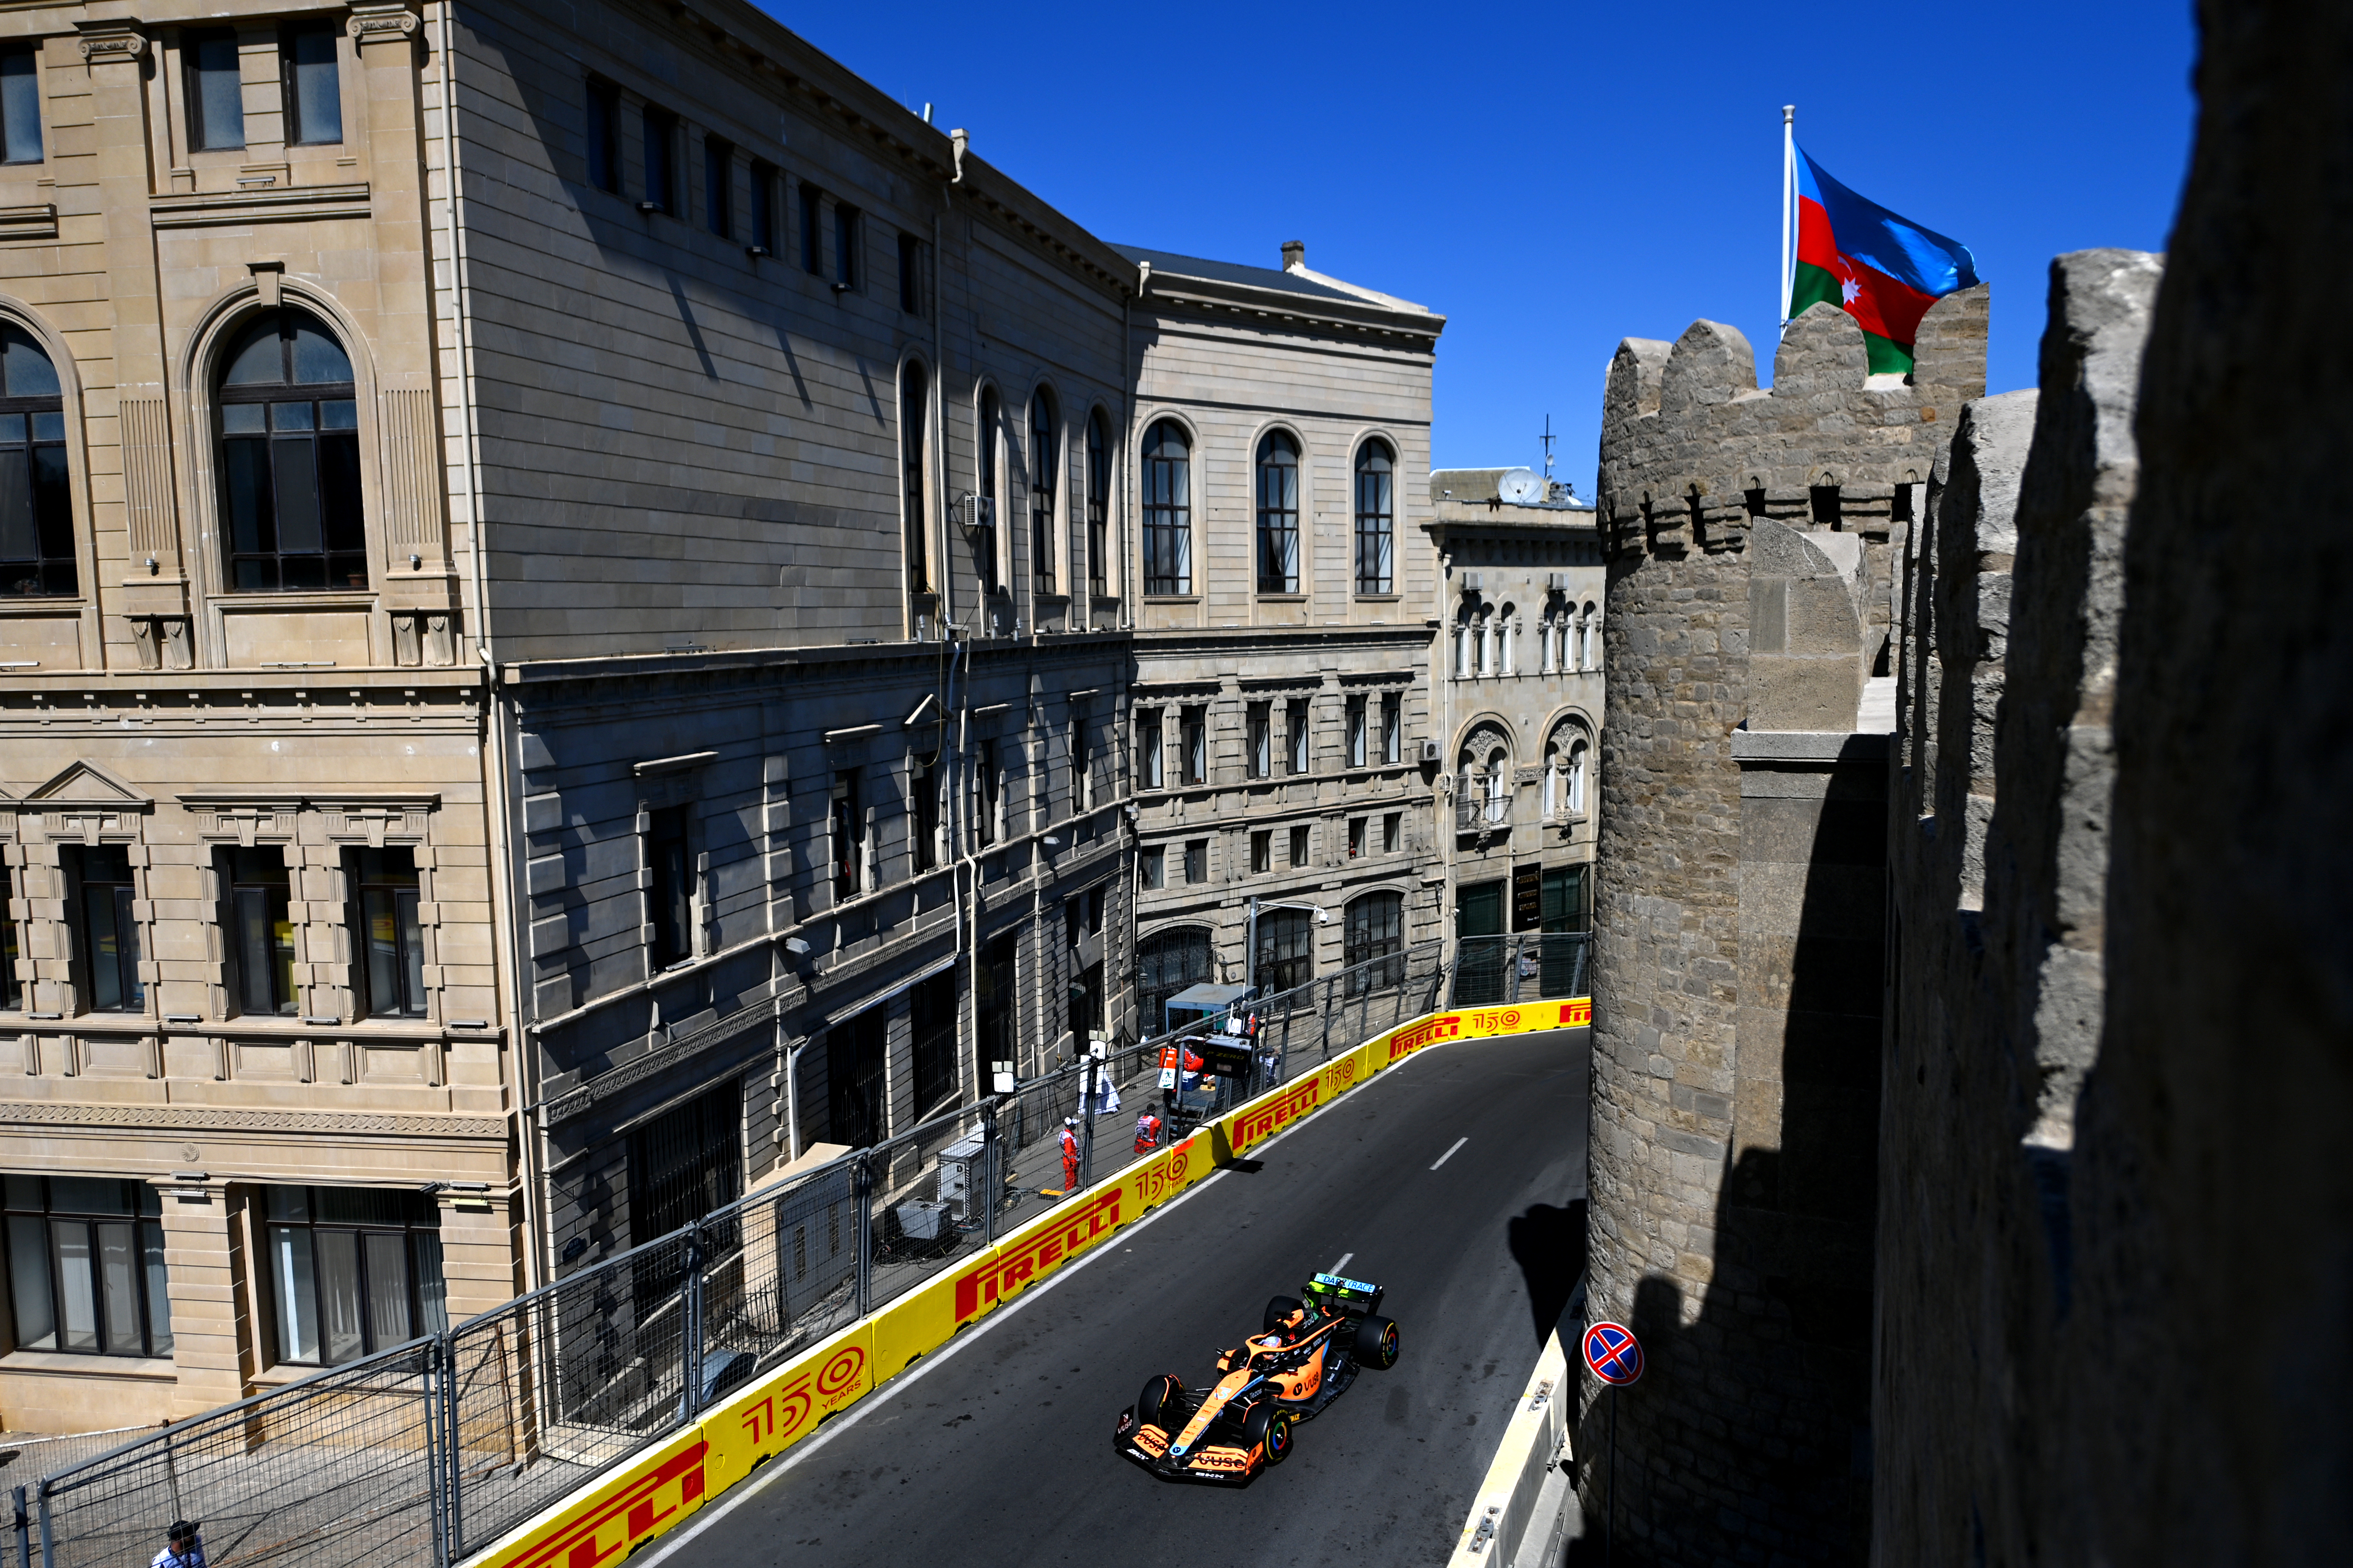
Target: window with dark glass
{"x": 1193, "y": 743}
{"x": 984, "y": 530}
{"x": 313, "y": 83}
{"x": 1392, "y": 726}
{"x": 1045, "y": 456}
{"x": 1286, "y": 951}
{"x": 1299, "y": 846}
{"x": 911, "y": 274}
{"x": 995, "y": 1003}
{"x": 914, "y": 413}
{"x": 1168, "y": 509}
{"x": 1376, "y": 521}
{"x": 1151, "y": 764}
{"x": 671, "y": 894}
{"x": 37, "y": 526}
{"x": 1262, "y": 850}
{"x": 1278, "y": 514}
{"x": 604, "y": 137}
{"x": 1167, "y": 962}
{"x": 1392, "y": 832}
{"x": 764, "y": 210}
{"x": 20, "y": 106}
{"x": 260, "y": 920}
{"x": 1376, "y": 932}
{"x": 989, "y": 819}
{"x": 290, "y": 459}
{"x": 848, "y": 836}
{"x": 1356, "y": 736}
{"x": 12, "y": 988}
{"x": 845, "y": 227}
{"x": 661, "y": 174}
{"x": 215, "y": 91}
{"x": 812, "y": 229}
{"x": 352, "y": 1271}
{"x": 1295, "y": 730}
{"x": 1098, "y": 507}
{"x": 718, "y": 187}
{"x": 1259, "y": 738}
{"x": 924, "y": 833}
{"x": 858, "y": 1101}
{"x": 1152, "y": 867}
{"x": 932, "y": 1031}
{"x": 1197, "y": 860}
{"x": 385, "y": 888}
{"x": 86, "y": 1271}
{"x": 1356, "y": 837}
{"x": 109, "y": 936}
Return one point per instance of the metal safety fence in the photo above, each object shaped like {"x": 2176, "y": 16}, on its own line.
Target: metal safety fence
{"x": 1496, "y": 971}
{"x": 427, "y": 1452}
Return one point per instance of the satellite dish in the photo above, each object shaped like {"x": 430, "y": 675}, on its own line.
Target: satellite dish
{"x": 1519, "y": 486}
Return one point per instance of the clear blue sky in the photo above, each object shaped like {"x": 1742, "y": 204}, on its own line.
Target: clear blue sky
{"x": 1555, "y": 178}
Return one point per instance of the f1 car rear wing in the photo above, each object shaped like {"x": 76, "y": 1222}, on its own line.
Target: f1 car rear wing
{"x": 1334, "y": 1294}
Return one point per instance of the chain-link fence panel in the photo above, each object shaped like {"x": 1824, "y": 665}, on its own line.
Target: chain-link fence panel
{"x": 1496, "y": 971}
{"x": 781, "y": 1273}
{"x": 926, "y": 1200}
{"x": 335, "y": 1469}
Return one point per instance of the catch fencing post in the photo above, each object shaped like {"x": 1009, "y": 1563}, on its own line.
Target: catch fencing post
{"x": 990, "y": 1182}
{"x": 1088, "y": 1090}
{"x": 691, "y": 1328}
{"x": 48, "y": 1557}
{"x": 864, "y": 1185}
{"x": 440, "y": 1446}
{"x": 24, "y": 1532}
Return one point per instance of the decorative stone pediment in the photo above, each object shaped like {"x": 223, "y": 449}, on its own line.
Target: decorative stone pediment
{"x": 256, "y": 816}
{"x": 88, "y": 802}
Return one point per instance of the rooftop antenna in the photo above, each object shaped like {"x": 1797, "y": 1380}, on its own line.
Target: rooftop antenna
{"x": 1547, "y": 446}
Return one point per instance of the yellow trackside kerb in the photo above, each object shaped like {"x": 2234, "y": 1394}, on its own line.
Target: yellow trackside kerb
{"x": 612, "y": 1516}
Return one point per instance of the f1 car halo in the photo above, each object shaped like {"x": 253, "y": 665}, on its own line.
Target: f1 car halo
{"x": 1306, "y": 1354}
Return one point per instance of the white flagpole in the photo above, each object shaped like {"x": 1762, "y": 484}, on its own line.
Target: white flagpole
{"x": 1788, "y": 207}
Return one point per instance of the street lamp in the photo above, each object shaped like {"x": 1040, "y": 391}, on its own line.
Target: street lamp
{"x": 1250, "y": 972}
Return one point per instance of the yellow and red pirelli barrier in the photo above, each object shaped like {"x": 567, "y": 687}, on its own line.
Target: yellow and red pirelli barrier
{"x": 657, "y": 1489}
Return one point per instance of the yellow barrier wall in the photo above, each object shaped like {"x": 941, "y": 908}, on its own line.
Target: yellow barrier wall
{"x": 661, "y": 1487}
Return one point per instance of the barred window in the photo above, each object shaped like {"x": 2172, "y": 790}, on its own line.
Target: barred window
{"x": 1375, "y": 929}
{"x": 1168, "y": 509}
{"x": 1278, "y": 514}
{"x": 1376, "y": 519}
{"x": 86, "y": 1266}
{"x": 352, "y": 1271}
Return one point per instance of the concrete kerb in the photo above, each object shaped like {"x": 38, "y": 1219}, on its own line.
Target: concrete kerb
{"x": 656, "y": 1491}
{"x": 1522, "y": 1510}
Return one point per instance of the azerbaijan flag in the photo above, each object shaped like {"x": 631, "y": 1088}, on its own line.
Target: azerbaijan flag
{"x": 1883, "y": 270}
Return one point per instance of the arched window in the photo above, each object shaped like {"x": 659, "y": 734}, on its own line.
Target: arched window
{"x": 1508, "y": 633}
{"x": 1166, "y": 963}
{"x": 1376, "y": 519}
{"x": 1045, "y": 457}
{"x": 1286, "y": 951}
{"x": 984, "y": 527}
{"x": 1098, "y": 507}
{"x": 1466, "y": 635}
{"x": 289, "y": 458}
{"x": 1544, "y": 639}
{"x": 1589, "y": 634}
{"x": 1375, "y": 937}
{"x": 914, "y": 416}
{"x": 1552, "y": 782}
{"x": 1168, "y": 509}
{"x": 1578, "y": 755}
{"x": 36, "y": 527}
{"x": 1486, "y": 642}
{"x": 1499, "y": 786}
{"x": 1278, "y": 514}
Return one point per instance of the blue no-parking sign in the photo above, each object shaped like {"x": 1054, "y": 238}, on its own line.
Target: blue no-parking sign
{"x": 1612, "y": 1353}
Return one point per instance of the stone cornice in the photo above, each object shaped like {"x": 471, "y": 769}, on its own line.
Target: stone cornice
{"x": 228, "y": 1118}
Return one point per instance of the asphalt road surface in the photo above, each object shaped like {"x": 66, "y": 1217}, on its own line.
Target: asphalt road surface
{"x": 997, "y": 1449}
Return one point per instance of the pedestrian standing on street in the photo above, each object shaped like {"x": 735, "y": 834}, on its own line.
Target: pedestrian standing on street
{"x": 1069, "y": 1154}
{"x": 186, "y": 1548}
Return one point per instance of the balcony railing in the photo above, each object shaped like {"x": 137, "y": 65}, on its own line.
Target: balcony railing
{"x": 1477, "y": 813}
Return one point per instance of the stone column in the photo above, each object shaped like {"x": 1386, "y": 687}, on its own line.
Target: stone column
{"x": 215, "y": 1347}
{"x": 477, "y": 1252}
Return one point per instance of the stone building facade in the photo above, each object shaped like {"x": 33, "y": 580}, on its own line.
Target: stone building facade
{"x": 1517, "y": 665}
{"x": 520, "y": 715}
{"x": 1739, "y": 923}
{"x": 1285, "y": 585}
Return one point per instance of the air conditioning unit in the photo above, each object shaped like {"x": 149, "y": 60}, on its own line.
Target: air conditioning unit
{"x": 1429, "y": 751}
{"x": 1473, "y": 581}
{"x": 1556, "y": 581}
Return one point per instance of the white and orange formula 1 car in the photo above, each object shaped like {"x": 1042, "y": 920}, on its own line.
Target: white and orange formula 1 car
{"x": 1305, "y": 1357}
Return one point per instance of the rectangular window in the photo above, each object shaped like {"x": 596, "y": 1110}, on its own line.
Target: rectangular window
{"x": 857, "y": 1058}
{"x": 602, "y": 136}
{"x": 848, "y": 837}
{"x": 86, "y": 1266}
{"x": 1392, "y": 832}
{"x": 1295, "y": 730}
{"x": 1197, "y": 860}
{"x": 1149, "y": 762}
{"x": 812, "y": 229}
{"x": 924, "y": 828}
{"x": 661, "y": 174}
{"x": 669, "y": 887}
{"x": 11, "y": 989}
{"x": 1356, "y": 731}
{"x": 932, "y": 1028}
{"x": 261, "y": 930}
{"x": 1262, "y": 850}
{"x": 994, "y": 1003}
{"x": 1152, "y": 868}
{"x": 313, "y": 83}
{"x": 1393, "y": 726}
{"x": 109, "y": 936}
{"x": 20, "y": 106}
{"x": 385, "y": 888}
{"x": 1299, "y": 846}
{"x": 845, "y": 244}
{"x": 1193, "y": 743}
{"x": 216, "y": 91}
{"x": 989, "y": 820}
{"x": 719, "y": 187}
{"x": 352, "y": 1271}
{"x": 911, "y": 274}
{"x": 1260, "y": 738}
{"x": 764, "y": 210}
{"x": 1356, "y": 837}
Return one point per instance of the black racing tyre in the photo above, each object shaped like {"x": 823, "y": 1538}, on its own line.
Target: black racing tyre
{"x": 1277, "y": 1311}
{"x": 1280, "y": 1433}
{"x": 1158, "y": 1394}
{"x": 1377, "y": 1344}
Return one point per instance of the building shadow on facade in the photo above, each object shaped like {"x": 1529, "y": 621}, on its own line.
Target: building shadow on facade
{"x": 1548, "y": 1243}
